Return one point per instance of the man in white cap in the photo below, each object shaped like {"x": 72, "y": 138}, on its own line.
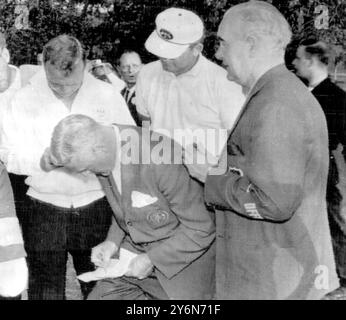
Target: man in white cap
{"x": 183, "y": 91}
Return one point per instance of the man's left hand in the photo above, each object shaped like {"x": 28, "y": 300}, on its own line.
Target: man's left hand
{"x": 140, "y": 267}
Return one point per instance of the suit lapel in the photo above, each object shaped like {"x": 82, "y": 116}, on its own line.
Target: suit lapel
{"x": 261, "y": 82}
{"x": 255, "y": 89}
{"x": 112, "y": 193}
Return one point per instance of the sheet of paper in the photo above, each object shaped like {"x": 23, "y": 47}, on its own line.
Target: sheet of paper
{"x": 115, "y": 268}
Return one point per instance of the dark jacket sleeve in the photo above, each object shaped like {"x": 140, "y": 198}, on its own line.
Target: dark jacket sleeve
{"x": 115, "y": 233}
{"x": 342, "y": 122}
{"x": 196, "y": 230}
{"x": 273, "y": 167}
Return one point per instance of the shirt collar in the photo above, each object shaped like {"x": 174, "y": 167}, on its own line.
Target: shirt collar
{"x": 317, "y": 83}
{"x": 131, "y": 90}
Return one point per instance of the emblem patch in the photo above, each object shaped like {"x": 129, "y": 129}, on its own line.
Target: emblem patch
{"x": 157, "y": 217}
{"x": 165, "y": 34}
{"x": 252, "y": 211}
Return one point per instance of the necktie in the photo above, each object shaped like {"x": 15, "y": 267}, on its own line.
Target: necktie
{"x": 127, "y": 95}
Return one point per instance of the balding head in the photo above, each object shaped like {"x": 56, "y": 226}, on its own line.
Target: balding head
{"x": 258, "y": 19}
{"x": 253, "y": 38}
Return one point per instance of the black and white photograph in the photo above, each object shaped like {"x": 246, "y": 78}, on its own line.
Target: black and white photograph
{"x": 181, "y": 150}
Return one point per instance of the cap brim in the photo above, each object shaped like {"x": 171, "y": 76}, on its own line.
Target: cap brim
{"x": 164, "y": 49}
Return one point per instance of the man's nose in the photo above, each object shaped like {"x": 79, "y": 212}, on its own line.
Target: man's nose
{"x": 132, "y": 69}
{"x": 218, "y": 54}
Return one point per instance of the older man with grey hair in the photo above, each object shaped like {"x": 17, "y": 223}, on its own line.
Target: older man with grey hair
{"x": 273, "y": 237}
{"x": 159, "y": 216}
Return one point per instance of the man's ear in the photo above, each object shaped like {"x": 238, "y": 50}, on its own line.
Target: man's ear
{"x": 197, "y": 49}
{"x": 6, "y": 55}
{"x": 310, "y": 61}
{"x": 252, "y": 43}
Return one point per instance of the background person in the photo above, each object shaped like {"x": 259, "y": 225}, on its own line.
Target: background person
{"x": 311, "y": 64}
{"x": 130, "y": 64}
{"x": 10, "y": 82}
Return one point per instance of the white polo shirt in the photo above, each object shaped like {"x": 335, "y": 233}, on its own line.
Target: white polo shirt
{"x": 202, "y": 98}
{"x": 28, "y": 126}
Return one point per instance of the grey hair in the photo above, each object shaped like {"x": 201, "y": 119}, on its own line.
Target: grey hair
{"x": 72, "y": 135}
{"x": 261, "y": 19}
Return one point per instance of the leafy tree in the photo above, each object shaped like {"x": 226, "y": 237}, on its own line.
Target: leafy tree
{"x": 107, "y": 27}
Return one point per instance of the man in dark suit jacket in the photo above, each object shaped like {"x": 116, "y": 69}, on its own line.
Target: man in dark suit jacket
{"x": 311, "y": 64}
{"x": 130, "y": 64}
{"x": 159, "y": 212}
{"x": 273, "y": 239}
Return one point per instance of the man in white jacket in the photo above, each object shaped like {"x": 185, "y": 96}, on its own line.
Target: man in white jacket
{"x": 65, "y": 212}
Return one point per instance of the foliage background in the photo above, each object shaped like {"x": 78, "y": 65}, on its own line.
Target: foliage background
{"x": 107, "y": 27}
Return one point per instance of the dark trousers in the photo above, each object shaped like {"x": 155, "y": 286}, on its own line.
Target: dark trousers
{"x": 11, "y": 298}
{"x": 50, "y": 233}
{"x": 126, "y": 288}
{"x": 337, "y": 227}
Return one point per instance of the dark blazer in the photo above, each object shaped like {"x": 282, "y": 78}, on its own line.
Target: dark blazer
{"x": 273, "y": 237}
{"x": 131, "y": 103}
{"x": 333, "y": 102}
{"x": 177, "y": 231}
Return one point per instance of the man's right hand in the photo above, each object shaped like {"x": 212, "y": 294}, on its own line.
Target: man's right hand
{"x": 102, "y": 253}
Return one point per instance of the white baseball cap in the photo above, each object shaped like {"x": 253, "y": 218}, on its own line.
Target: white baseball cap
{"x": 176, "y": 29}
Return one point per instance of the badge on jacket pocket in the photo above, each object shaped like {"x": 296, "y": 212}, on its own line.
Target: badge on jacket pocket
{"x": 157, "y": 217}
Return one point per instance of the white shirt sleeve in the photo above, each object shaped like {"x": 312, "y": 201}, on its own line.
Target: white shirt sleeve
{"x": 20, "y": 153}
{"x": 121, "y": 112}
{"x": 231, "y": 100}
{"x": 141, "y": 95}
{"x": 117, "y": 83}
